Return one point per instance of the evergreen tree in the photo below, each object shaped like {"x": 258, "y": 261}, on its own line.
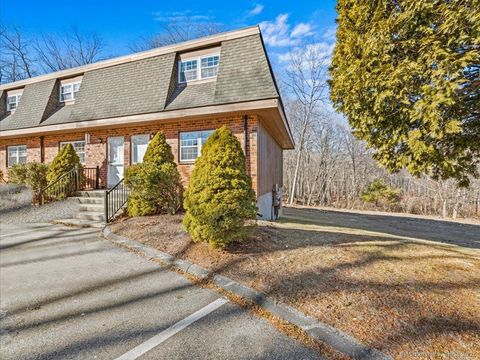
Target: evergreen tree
{"x": 378, "y": 192}
{"x": 66, "y": 160}
{"x": 155, "y": 184}
{"x": 406, "y": 76}
{"x": 219, "y": 198}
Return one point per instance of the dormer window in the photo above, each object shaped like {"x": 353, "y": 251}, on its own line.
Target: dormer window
{"x": 12, "y": 102}
{"x": 204, "y": 67}
{"x": 69, "y": 91}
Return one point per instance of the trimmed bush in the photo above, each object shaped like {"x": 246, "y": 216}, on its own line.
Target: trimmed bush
{"x": 66, "y": 160}
{"x": 155, "y": 185}
{"x": 219, "y": 198}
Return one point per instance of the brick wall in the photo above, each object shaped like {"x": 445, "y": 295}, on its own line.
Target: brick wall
{"x": 96, "y": 149}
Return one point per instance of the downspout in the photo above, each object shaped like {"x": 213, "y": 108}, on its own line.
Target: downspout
{"x": 245, "y": 134}
{"x": 42, "y": 149}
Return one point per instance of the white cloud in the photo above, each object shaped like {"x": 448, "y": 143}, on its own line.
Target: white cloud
{"x": 301, "y": 29}
{"x": 321, "y": 50}
{"x": 330, "y": 34}
{"x": 277, "y": 33}
{"x": 256, "y": 10}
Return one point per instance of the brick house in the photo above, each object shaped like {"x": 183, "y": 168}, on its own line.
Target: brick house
{"x": 109, "y": 110}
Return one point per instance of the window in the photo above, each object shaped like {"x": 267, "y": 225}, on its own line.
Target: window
{"x": 69, "y": 92}
{"x": 191, "y": 144}
{"x": 139, "y": 147}
{"x": 79, "y": 147}
{"x": 189, "y": 70}
{"x": 12, "y": 101}
{"x": 210, "y": 66}
{"x": 17, "y": 154}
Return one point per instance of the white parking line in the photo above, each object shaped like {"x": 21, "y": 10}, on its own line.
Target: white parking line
{"x": 172, "y": 330}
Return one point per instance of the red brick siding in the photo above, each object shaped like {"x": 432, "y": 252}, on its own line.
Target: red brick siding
{"x": 96, "y": 149}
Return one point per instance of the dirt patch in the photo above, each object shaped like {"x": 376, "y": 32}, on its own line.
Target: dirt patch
{"x": 397, "y": 292}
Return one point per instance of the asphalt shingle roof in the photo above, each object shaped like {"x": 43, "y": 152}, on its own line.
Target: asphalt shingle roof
{"x": 146, "y": 86}
{"x": 32, "y": 107}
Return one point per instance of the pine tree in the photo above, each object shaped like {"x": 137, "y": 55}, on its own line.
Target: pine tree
{"x": 155, "y": 184}
{"x": 406, "y": 76}
{"x": 219, "y": 198}
{"x": 378, "y": 192}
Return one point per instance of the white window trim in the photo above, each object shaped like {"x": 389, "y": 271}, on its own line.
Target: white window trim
{"x": 72, "y": 92}
{"x": 16, "y": 155}
{"x": 199, "y": 67}
{"x": 199, "y": 144}
{"x": 63, "y": 143}
{"x": 132, "y": 146}
{"x": 17, "y": 101}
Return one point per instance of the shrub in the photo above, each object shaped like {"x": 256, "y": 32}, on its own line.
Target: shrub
{"x": 33, "y": 175}
{"x": 219, "y": 198}
{"x": 155, "y": 184}
{"x": 37, "y": 178}
{"x": 378, "y": 192}
{"x": 66, "y": 160}
{"x": 17, "y": 174}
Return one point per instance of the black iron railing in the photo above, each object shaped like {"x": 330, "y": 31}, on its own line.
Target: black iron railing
{"x": 91, "y": 178}
{"x": 115, "y": 199}
{"x": 69, "y": 183}
{"x": 64, "y": 186}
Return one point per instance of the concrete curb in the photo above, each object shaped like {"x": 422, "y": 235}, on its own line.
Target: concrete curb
{"x": 319, "y": 331}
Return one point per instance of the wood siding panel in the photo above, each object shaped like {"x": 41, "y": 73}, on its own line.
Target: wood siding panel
{"x": 270, "y": 161}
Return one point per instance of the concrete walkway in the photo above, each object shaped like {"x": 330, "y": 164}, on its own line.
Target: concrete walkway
{"x": 67, "y": 294}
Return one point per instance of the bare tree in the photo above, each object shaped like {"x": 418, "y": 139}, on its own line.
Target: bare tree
{"x": 179, "y": 30}
{"x": 16, "y": 56}
{"x": 68, "y": 50}
{"x": 306, "y": 81}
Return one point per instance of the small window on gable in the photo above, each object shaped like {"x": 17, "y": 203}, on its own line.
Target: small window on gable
{"x": 210, "y": 66}
{"x": 188, "y": 70}
{"x": 12, "y": 102}
{"x": 68, "y": 92}
{"x": 203, "y": 67}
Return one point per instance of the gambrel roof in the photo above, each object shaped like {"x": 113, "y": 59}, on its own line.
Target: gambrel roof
{"x": 146, "y": 83}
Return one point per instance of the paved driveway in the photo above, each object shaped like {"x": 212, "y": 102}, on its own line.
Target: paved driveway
{"x": 67, "y": 294}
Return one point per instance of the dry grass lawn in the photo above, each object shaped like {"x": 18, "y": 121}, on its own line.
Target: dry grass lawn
{"x": 408, "y": 287}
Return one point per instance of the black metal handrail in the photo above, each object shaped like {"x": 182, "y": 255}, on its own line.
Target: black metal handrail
{"x": 60, "y": 188}
{"x": 73, "y": 180}
{"x": 91, "y": 178}
{"x": 115, "y": 198}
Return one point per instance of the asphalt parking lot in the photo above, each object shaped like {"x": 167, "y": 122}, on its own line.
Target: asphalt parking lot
{"x": 65, "y": 293}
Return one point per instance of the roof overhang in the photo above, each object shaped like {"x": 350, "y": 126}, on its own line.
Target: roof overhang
{"x": 270, "y": 110}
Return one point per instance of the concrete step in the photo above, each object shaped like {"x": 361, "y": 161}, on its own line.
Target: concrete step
{"x": 92, "y": 207}
{"x": 91, "y": 194}
{"x": 92, "y": 200}
{"x": 80, "y": 223}
{"x": 90, "y": 215}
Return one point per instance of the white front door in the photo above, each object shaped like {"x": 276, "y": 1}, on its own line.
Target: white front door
{"x": 115, "y": 160}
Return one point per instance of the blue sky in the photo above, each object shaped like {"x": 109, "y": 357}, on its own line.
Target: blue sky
{"x": 285, "y": 24}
